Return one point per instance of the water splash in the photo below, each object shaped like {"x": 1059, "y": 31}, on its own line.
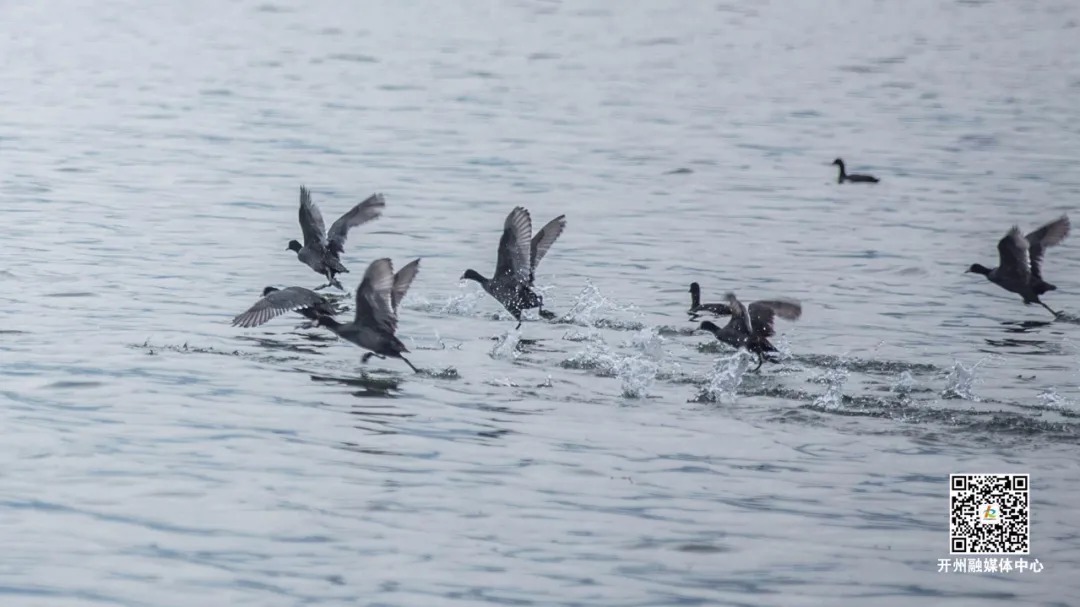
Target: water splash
{"x": 463, "y": 303}
{"x": 833, "y": 397}
{"x": 596, "y": 356}
{"x": 726, "y": 377}
{"x": 1050, "y": 399}
{"x": 960, "y": 382}
{"x": 904, "y": 385}
{"x": 506, "y": 346}
{"x": 648, "y": 341}
{"x": 592, "y": 309}
{"x": 637, "y": 374}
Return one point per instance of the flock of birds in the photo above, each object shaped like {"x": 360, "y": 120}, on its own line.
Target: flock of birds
{"x": 381, "y": 290}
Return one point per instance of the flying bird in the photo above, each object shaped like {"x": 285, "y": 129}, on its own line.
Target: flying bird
{"x": 321, "y": 250}
{"x": 515, "y": 269}
{"x": 1020, "y": 261}
{"x": 377, "y": 299}
{"x": 751, "y": 329}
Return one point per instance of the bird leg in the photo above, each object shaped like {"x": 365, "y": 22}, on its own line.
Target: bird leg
{"x": 415, "y": 370}
{"x": 1056, "y": 314}
{"x": 760, "y": 361}
{"x": 368, "y": 356}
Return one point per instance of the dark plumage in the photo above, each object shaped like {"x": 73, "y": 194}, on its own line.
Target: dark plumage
{"x": 276, "y": 302}
{"x": 321, "y": 249}
{"x": 1020, "y": 261}
{"x": 751, "y": 328}
{"x": 515, "y": 268}
{"x": 853, "y": 178}
{"x": 696, "y": 307}
{"x": 377, "y": 300}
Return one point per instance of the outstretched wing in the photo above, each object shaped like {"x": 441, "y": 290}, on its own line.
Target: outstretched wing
{"x": 543, "y": 240}
{"x": 787, "y": 309}
{"x": 1013, "y": 256}
{"x": 402, "y": 280}
{"x": 311, "y": 221}
{"x": 1043, "y": 238}
{"x": 362, "y": 213}
{"x": 514, "y": 246}
{"x": 373, "y": 307}
{"x": 275, "y": 304}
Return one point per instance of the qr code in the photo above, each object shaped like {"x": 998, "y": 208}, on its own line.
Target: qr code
{"x": 989, "y": 514}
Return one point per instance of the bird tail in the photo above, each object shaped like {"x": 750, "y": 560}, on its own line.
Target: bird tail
{"x": 398, "y": 345}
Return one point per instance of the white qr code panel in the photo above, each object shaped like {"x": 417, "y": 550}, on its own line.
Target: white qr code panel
{"x": 989, "y": 514}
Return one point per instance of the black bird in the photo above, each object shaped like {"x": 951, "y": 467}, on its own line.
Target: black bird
{"x": 752, "y": 329}
{"x": 852, "y": 178}
{"x": 321, "y": 250}
{"x": 515, "y": 268}
{"x": 276, "y": 302}
{"x": 1020, "y": 261}
{"x": 377, "y": 300}
{"x": 696, "y": 307}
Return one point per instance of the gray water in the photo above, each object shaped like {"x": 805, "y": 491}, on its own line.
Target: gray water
{"x": 151, "y": 156}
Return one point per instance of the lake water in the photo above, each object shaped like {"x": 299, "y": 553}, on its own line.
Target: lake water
{"x": 150, "y": 160}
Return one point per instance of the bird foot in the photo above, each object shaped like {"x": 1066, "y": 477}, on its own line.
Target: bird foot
{"x": 547, "y": 314}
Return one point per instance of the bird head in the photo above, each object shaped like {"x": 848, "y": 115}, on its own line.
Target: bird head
{"x": 294, "y": 245}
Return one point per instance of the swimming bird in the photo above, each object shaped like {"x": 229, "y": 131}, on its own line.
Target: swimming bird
{"x": 853, "y": 178}
{"x": 1020, "y": 261}
{"x": 515, "y": 267}
{"x": 377, "y": 300}
{"x": 276, "y": 302}
{"x": 697, "y": 307}
{"x": 751, "y": 328}
{"x": 321, "y": 249}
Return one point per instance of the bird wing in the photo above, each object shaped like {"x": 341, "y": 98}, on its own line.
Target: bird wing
{"x": 787, "y": 309}
{"x": 1013, "y": 256}
{"x": 763, "y": 315}
{"x": 277, "y": 303}
{"x": 362, "y": 213}
{"x": 543, "y": 240}
{"x": 402, "y": 280}
{"x": 1043, "y": 238}
{"x": 311, "y": 221}
{"x": 739, "y": 315}
{"x": 373, "y": 306}
{"x": 514, "y": 246}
